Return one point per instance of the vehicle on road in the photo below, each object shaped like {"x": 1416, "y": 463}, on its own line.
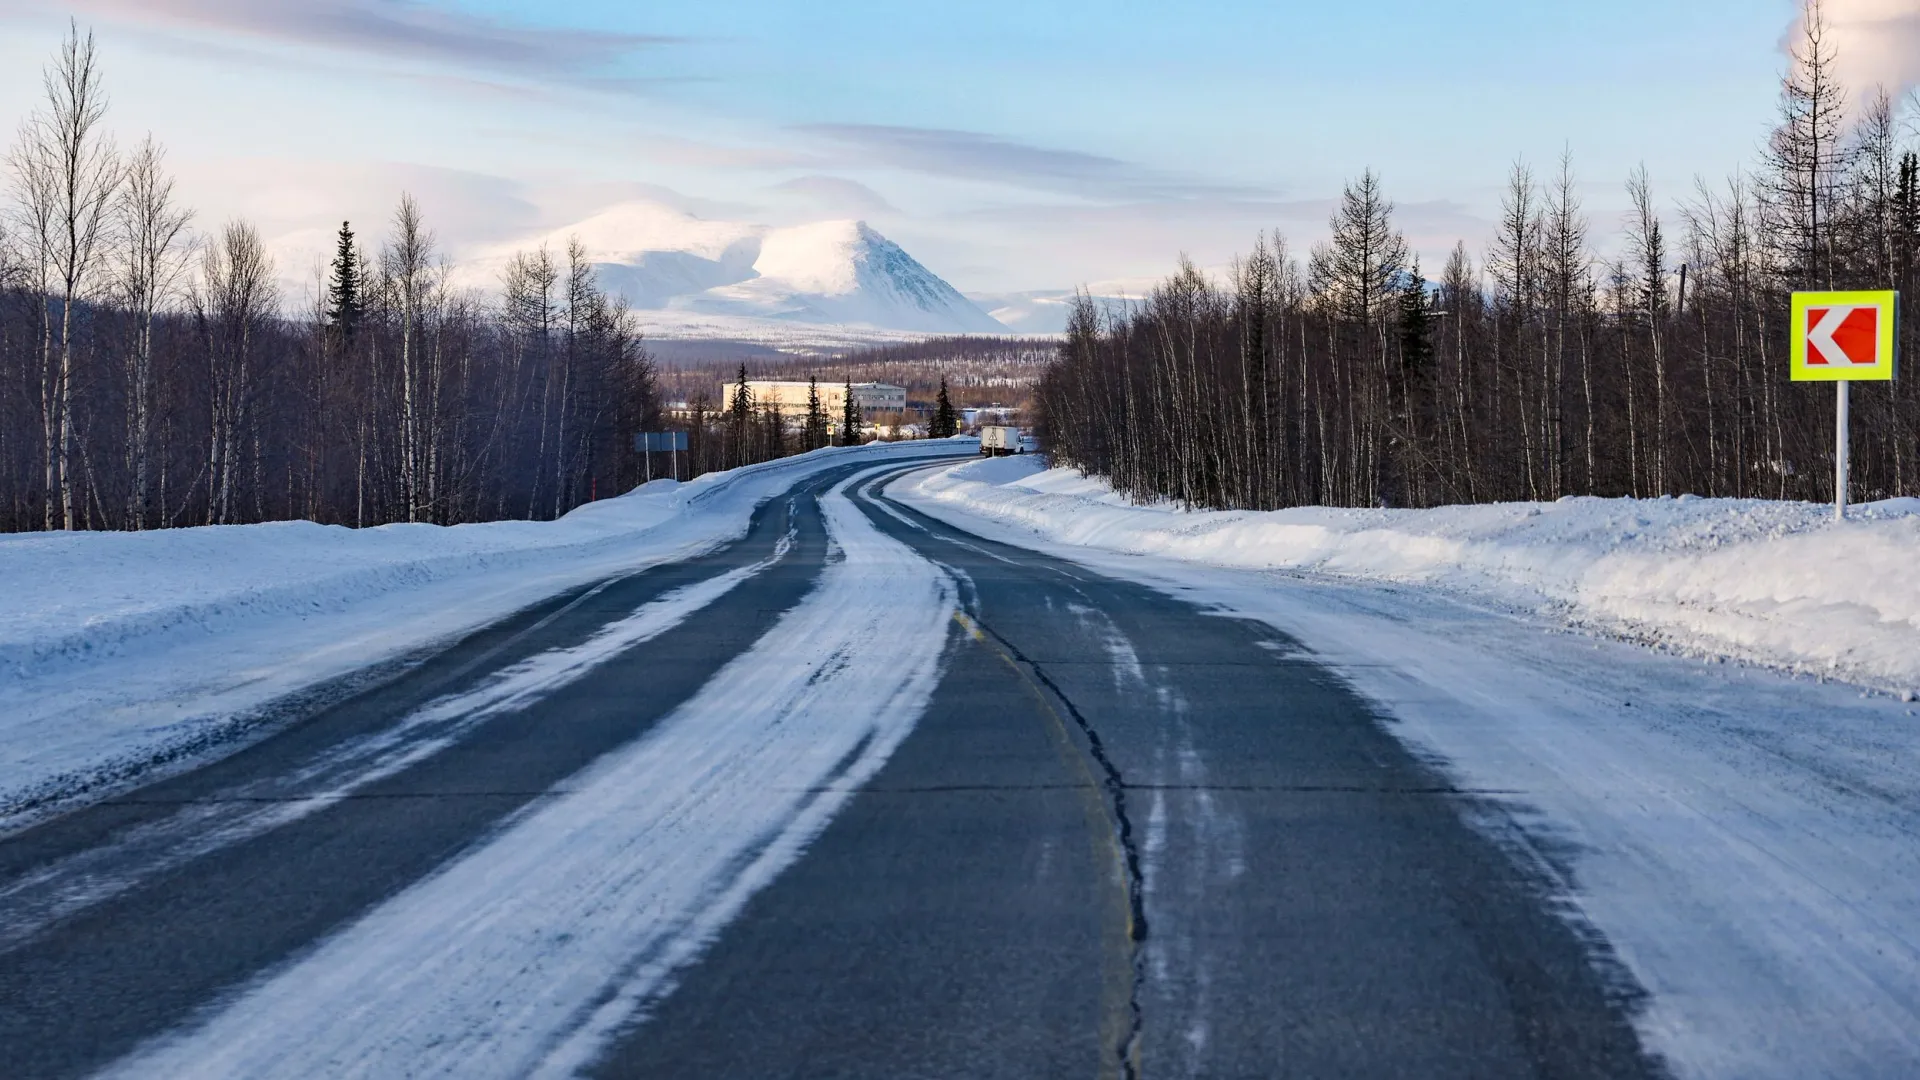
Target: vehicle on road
{"x": 996, "y": 441}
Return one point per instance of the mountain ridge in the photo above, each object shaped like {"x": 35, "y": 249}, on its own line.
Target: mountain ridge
{"x": 827, "y": 272}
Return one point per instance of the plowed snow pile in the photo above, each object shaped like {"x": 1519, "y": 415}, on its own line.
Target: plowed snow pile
{"x": 1774, "y": 582}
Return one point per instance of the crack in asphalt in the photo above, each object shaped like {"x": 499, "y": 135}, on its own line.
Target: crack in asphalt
{"x": 1127, "y": 1048}
{"x": 1117, "y": 787}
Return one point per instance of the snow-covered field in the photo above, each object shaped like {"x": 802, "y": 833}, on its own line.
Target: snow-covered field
{"x": 120, "y": 649}
{"x": 1774, "y": 582}
{"x": 797, "y": 338}
{"x": 1743, "y": 838}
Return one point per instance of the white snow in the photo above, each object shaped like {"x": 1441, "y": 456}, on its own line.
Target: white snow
{"x": 117, "y": 649}
{"x": 527, "y": 955}
{"x": 1742, "y": 838}
{"x": 246, "y": 810}
{"x": 1774, "y": 582}
{"x": 780, "y": 335}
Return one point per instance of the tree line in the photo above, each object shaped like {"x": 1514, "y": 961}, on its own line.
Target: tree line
{"x": 153, "y": 376}
{"x": 749, "y": 430}
{"x": 1541, "y": 371}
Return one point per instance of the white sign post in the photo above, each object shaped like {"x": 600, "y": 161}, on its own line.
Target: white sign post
{"x": 649, "y": 443}
{"x": 1844, "y": 338}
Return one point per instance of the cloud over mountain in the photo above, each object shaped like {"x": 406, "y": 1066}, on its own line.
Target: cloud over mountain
{"x": 829, "y": 272}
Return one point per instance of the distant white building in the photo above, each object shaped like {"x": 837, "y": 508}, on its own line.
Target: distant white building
{"x": 791, "y": 397}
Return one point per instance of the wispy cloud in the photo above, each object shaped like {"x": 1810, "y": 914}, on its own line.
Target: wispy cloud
{"x": 1141, "y": 241}
{"x": 1876, "y": 42}
{"x": 837, "y": 195}
{"x": 409, "y": 29}
{"x": 976, "y": 156}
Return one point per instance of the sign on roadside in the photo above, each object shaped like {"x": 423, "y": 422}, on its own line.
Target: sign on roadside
{"x": 649, "y": 443}
{"x": 660, "y": 442}
{"x": 1844, "y": 338}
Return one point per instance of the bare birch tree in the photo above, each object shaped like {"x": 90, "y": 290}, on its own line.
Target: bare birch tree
{"x": 151, "y": 229}
{"x": 234, "y": 304}
{"x": 407, "y": 262}
{"x": 66, "y": 172}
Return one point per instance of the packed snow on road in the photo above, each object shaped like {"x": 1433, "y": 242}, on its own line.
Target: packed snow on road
{"x": 121, "y": 650}
{"x": 1728, "y": 810}
{"x": 1731, "y": 811}
{"x": 511, "y": 961}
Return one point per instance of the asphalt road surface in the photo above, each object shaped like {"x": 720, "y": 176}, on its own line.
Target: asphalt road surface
{"x": 1126, "y": 837}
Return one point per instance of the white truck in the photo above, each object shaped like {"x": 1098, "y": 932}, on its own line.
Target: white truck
{"x": 996, "y": 440}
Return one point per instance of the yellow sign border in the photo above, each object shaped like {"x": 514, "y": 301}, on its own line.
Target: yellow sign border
{"x": 1889, "y": 304}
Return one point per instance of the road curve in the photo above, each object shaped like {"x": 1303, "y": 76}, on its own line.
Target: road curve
{"x": 1106, "y": 834}
{"x": 1134, "y": 838}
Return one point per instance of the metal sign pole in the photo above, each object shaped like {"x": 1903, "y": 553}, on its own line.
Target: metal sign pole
{"x": 1844, "y": 337}
{"x": 1840, "y": 452}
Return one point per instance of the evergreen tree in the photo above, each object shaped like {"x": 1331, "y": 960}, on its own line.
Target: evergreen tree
{"x": 849, "y": 419}
{"x": 1416, "y": 324}
{"x": 816, "y": 432}
{"x": 742, "y": 415}
{"x": 1906, "y": 218}
{"x": 344, "y": 304}
{"x": 946, "y": 422}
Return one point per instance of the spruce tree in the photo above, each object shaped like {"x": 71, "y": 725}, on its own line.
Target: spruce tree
{"x": 1416, "y": 329}
{"x": 946, "y": 422}
{"x": 343, "y": 291}
{"x": 1906, "y": 218}
{"x": 816, "y": 434}
{"x": 742, "y": 410}
{"x": 849, "y": 419}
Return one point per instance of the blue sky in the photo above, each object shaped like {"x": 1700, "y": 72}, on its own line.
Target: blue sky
{"x": 1009, "y": 145}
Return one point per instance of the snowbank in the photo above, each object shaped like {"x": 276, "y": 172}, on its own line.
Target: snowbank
{"x": 1774, "y": 582}
{"x": 117, "y": 647}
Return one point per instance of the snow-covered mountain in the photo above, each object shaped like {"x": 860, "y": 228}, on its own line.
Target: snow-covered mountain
{"x": 830, "y": 272}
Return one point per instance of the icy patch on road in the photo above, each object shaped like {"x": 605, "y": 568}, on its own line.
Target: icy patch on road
{"x": 526, "y": 956}
{"x": 1776, "y": 582}
{"x": 56, "y": 891}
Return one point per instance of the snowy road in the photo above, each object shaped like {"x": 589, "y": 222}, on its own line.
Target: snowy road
{"x": 866, "y": 794}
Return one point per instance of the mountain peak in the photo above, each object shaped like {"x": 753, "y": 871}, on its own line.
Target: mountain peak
{"x": 829, "y": 272}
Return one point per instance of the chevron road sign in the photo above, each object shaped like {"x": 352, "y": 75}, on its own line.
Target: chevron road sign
{"x": 1844, "y": 338}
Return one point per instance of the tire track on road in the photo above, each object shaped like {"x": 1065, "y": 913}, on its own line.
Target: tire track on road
{"x": 528, "y": 954}
{"x": 120, "y": 968}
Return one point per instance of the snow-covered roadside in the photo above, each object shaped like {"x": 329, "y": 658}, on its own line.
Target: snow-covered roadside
{"x": 236, "y": 814}
{"x": 531, "y": 952}
{"x": 1777, "y": 583}
{"x": 119, "y": 649}
{"x": 1743, "y": 840}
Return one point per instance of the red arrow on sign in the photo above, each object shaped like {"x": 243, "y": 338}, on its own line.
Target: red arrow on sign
{"x": 1843, "y": 336}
